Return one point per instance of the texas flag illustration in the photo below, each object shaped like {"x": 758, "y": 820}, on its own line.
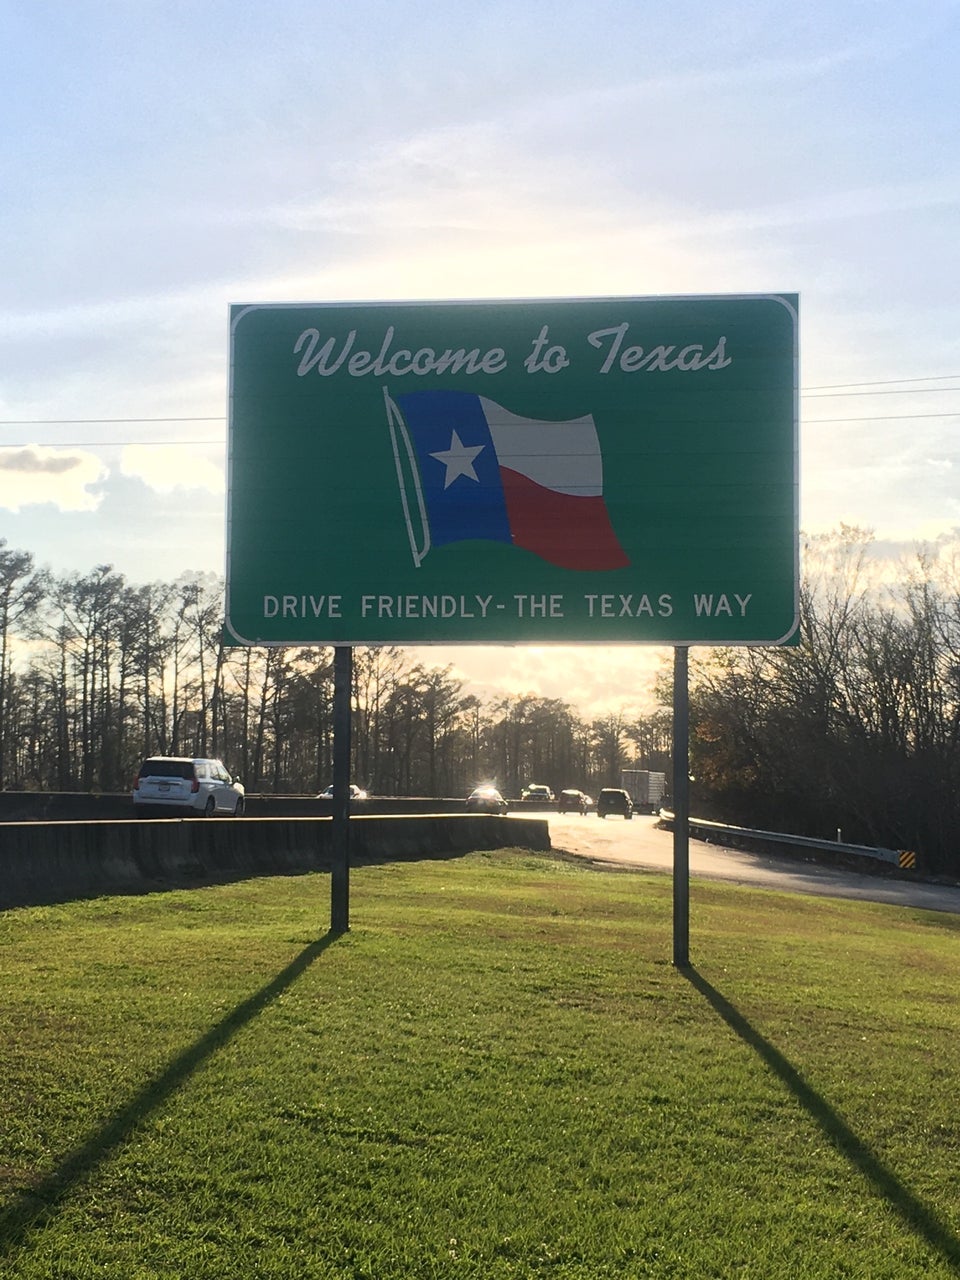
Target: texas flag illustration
{"x": 470, "y": 469}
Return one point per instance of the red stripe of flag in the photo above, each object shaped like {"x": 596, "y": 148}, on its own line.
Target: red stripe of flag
{"x": 568, "y": 530}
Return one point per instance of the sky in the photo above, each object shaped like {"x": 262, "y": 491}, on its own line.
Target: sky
{"x": 160, "y": 160}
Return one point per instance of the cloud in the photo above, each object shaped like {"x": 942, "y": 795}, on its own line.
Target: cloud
{"x": 34, "y": 474}
{"x": 596, "y": 680}
{"x": 165, "y": 468}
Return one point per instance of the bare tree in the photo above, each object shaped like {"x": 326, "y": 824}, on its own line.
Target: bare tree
{"x": 22, "y": 591}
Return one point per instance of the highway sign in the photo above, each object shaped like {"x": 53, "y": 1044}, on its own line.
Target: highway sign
{"x": 531, "y": 471}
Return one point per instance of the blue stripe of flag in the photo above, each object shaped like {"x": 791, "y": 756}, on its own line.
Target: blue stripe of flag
{"x": 468, "y": 508}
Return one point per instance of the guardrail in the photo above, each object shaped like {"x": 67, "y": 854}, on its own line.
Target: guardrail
{"x": 723, "y": 833}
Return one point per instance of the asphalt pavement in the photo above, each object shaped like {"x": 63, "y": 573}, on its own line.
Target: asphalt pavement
{"x": 639, "y": 843}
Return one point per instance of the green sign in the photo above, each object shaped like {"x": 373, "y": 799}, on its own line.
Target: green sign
{"x": 591, "y": 470}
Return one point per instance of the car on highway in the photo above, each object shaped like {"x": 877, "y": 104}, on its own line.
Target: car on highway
{"x": 613, "y": 800}
{"x": 356, "y": 793}
{"x": 537, "y": 792}
{"x": 573, "y": 801}
{"x": 486, "y": 799}
{"x": 186, "y": 786}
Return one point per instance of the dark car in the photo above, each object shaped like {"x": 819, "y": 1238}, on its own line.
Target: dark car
{"x": 486, "y": 800}
{"x": 613, "y": 800}
{"x": 537, "y": 791}
{"x": 572, "y": 801}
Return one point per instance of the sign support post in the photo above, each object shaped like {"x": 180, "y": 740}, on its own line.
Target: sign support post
{"x": 681, "y": 809}
{"x": 340, "y": 842}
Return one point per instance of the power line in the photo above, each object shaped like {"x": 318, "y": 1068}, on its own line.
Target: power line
{"x": 912, "y": 391}
{"x": 815, "y": 392}
{"x": 86, "y": 422}
{"x": 884, "y": 417}
{"x": 838, "y": 387}
{"x": 885, "y": 382}
{"x": 160, "y": 444}
{"x": 111, "y": 444}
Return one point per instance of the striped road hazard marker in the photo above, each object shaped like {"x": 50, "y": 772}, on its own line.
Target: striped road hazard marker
{"x": 908, "y": 859}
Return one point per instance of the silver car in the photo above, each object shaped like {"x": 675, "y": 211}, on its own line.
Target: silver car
{"x": 486, "y": 799}
{"x": 356, "y": 793}
{"x": 186, "y": 786}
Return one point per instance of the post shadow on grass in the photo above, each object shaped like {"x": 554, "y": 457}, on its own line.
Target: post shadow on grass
{"x": 917, "y": 1216}
{"x": 35, "y": 1207}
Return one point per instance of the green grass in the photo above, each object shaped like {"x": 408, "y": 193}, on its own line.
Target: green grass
{"x": 497, "y": 1072}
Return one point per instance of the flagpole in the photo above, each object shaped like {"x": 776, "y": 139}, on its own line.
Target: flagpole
{"x": 398, "y": 435}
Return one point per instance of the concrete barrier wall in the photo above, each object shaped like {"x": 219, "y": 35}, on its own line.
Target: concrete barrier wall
{"x": 63, "y": 806}
{"x": 60, "y": 861}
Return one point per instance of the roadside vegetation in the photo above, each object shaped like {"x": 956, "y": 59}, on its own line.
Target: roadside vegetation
{"x": 97, "y": 673}
{"x": 856, "y": 729}
{"x": 496, "y": 1073}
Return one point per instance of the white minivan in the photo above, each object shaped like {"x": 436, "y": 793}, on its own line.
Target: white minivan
{"x": 186, "y": 786}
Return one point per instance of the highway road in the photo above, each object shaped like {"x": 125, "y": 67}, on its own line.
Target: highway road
{"x": 638, "y": 843}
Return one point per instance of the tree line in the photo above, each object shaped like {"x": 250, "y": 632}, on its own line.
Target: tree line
{"x": 97, "y": 673}
{"x": 853, "y": 733}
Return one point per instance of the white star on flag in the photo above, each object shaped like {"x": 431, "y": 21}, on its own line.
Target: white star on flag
{"x": 458, "y": 460}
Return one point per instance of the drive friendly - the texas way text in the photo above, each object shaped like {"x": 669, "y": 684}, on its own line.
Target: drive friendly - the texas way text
{"x": 701, "y": 604}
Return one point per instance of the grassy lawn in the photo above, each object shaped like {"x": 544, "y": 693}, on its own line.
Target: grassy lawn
{"x": 497, "y": 1072}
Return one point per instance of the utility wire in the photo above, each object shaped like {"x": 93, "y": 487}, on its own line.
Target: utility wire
{"x": 885, "y": 382}
{"x": 160, "y": 444}
{"x": 111, "y": 444}
{"x": 839, "y": 387}
{"x": 86, "y": 422}
{"x": 820, "y": 391}
{"x": 884, "y": 417}
{"x": 910, "y": 391}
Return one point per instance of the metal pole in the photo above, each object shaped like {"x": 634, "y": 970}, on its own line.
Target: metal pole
{"x": 340, "y": 867}
{"x": 681, "y": 810}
